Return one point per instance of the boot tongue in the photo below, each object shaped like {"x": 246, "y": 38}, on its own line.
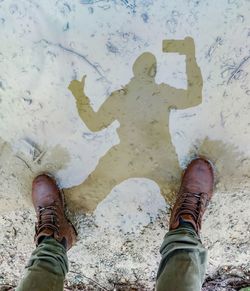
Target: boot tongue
{"x": 189, "y": 219}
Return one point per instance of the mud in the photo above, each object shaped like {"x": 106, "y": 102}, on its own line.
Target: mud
{"x": 231, "y": 166}
{"x": 19, "y": 167}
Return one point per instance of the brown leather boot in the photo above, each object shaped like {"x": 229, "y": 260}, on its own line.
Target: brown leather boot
{"x": 194, "y": 195}
{"x": 49, "y": 205}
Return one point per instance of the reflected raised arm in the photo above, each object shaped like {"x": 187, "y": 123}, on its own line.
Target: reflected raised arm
{"x": 95, "y": 121}
{"x": 192, "y": 96}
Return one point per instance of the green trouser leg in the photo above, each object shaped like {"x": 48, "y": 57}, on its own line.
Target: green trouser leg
{"x": 46, "y": 268}
{"x": 183, "y": 263}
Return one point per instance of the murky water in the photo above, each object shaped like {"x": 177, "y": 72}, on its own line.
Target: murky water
{"x": 142, "y": 108}
{"x": 19, "y": 168}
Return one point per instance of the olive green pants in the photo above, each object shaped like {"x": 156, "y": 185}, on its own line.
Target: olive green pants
{"x": 182, "y": 267}
{"x": 183, "y": 263}
{"x": 46, "y": 268}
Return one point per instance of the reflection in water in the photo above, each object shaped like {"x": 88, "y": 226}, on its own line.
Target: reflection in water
{"x": 142, "y": 108}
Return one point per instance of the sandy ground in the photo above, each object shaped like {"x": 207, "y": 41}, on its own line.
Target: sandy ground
{"x": 119, "y": 243}
{"x": 44, "y": 47}
{"x": 111, "y": 254}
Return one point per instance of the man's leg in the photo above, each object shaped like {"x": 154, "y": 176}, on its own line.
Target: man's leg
{"x": 55, "y": 235}
{"x": 46, "y": 268}
{"x": 183, "y": 263}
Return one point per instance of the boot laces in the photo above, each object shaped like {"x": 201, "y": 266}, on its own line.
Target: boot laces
{"x": 193, "y": 204}
{"x": 48, "y": 218}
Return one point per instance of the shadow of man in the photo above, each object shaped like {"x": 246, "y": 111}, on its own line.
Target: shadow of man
{"x": 142, "y": 108}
